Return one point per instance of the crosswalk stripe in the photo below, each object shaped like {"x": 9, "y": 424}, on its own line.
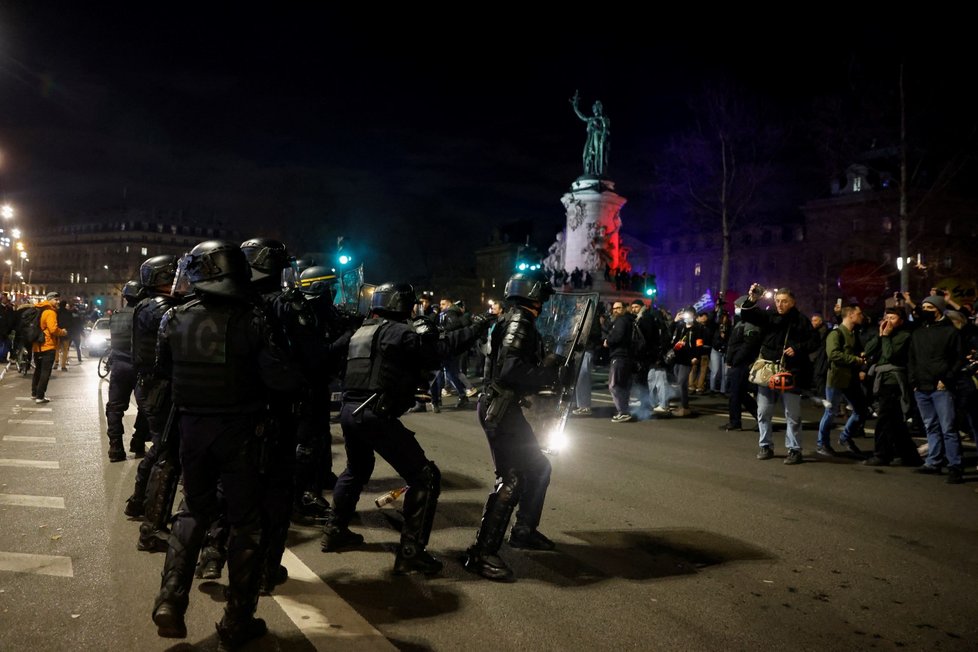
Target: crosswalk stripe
{"x": 19, "y": 562}
{"x": 18, "y": 500}
{"x": 36, "y": 440}
{"x": 32, "y": 422}
{"x": 325, "y": 619}
{"x": 33, "y": 464}
{"x": 32, "y": 409}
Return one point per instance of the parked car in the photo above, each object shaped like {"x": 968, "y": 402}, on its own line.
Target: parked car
{"x": 96, "y": 341}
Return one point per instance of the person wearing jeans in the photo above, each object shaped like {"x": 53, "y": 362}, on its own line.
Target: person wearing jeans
{"x": 935, "y": 358}
{"x": 620, "y": 374}
{"x": 844, "y": 382}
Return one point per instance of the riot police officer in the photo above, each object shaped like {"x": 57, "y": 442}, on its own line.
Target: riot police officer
{"x": 386, "y": 359}
{"x": 323, "y": 337}
{"x": 517, "y": 369}
{"x": 122, "y": 381}
{"x": 156, "y": 275}
{"x": 222, "y": 360}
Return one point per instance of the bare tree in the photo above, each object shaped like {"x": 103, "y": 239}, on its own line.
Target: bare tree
{"x": 718, "y": 168}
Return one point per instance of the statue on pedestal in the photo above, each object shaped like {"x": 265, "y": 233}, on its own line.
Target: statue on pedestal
{"x": 597, "y": 146}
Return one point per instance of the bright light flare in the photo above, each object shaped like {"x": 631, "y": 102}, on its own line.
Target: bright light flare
{"x": 557, "y": 441}
{"x": 7, "y": 211}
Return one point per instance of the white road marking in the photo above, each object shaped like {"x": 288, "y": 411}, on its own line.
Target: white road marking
{"x": 34, "y": 464}
{"x": 38, "y": 564}
{"x": 36, "y": 440}
{"x": 17, "y": 500}
{"x": 32, "y": 422}
{"x": 324, "y": 618}
{"x": 32, "y": 409}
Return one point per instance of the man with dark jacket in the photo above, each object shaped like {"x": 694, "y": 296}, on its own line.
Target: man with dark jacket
{"x": 935, "y": 357}
{"x": 890, "y": 350}
{"x": 787, "y": 338}
{"x": 742, "y": 350}
{"x": 619, "y": 350}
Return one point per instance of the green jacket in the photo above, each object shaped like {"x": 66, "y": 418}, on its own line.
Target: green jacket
{"x": 844, "y": 361}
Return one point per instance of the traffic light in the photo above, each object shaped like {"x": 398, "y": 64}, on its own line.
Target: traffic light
{"x": 651, "y": 289}
{"x": 525, "y": 266}
{"x": 343, "y": 259}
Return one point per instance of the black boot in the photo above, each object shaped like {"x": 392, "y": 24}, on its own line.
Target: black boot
{"x": 483, "y": 558}
{"x": 151, "y": 539}
{"x": 137, "y": 447}
{"x": 239, "y": 625}
{"x": 337, "y": 537}
{"x": 211, "y": 563}
{"x": 177, "y": 577}
{"x": 419, "y": 516}
{"x": 135, "y": 506}
{"x": 310, "y": 507}
{"x": 117, "y": 452}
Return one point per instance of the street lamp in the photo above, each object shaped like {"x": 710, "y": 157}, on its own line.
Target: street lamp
{"x": 7, "y": 211}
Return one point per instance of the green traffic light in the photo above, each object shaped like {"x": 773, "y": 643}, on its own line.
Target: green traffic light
{"x": 344, "y": 259}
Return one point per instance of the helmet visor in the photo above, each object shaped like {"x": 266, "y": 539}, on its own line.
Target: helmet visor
{"x": 181, "y": 280}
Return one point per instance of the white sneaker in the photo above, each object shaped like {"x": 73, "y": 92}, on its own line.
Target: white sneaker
{"x": 622, "y": 418}
{"x": 581, "y": 412}
{"x": 660, "y": 410}
{"x": 42, "y": 400}
{"x": 471, "y": 391}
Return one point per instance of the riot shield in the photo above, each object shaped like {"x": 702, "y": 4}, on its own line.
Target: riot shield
{"x": 564, "y": 326}
{"x": 348, "y": 290}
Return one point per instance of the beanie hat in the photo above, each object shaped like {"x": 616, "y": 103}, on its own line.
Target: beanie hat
{"x": 936, "y": 301}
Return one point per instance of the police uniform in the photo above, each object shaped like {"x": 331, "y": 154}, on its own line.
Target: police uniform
{"x": 386, "y": 359}
{"x": 522, "y": 470}
{"x": 122, "y": 381}
{"x": 218, "y": 347}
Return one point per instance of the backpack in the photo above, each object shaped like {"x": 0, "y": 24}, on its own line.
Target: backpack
{"x": 31, "y": 319}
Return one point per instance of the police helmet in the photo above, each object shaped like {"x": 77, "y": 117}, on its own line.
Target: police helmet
{"x": 394, "y": 299}
{"x": 317, "y": 281}
{"x": 290, "y": 275}
{"x": 218, "y": 267}
{"x": 157, "y": 272}
{"x": 267, "y": 257}
{"x": 133, "y": 292}
{"x": 528, "y": 287}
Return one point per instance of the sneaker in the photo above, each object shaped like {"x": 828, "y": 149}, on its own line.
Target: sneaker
{"x": 955, "y": 475}
{"x": 419, "y": 407}
{"x": 661, "y": 411}
{"x": 730, "y": 427}
{"x": 765, "y": 453}
{"x": 622, "y": 418}
{"x": 471, "y": 391}
{"x": 581, "y": 412}
{"x": 436, "y": 408}
{"x": 851, "y": 445}
{"x": 42, "y": 400}
{"x": 794, "y": 457}
{"x": 529, "y": 539}
{"x": 825, "y": 450}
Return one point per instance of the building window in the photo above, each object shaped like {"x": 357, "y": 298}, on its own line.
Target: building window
{"x": 857, "y": 184}
{"x": 887, "y": 225}
{"x": 948, "y": 263}
{"x": 142, "y": 250}
{"x": 947, "y": 228}
{"x": 697, "y": 269}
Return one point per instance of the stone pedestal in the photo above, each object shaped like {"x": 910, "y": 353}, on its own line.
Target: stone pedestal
{"x": 592, "y": 239}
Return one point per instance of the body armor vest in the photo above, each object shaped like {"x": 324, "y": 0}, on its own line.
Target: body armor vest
{"x": 370, "y": 370}
{"x": 206, "y": 373}
{"x": 515, "y": 333}
{"x": 120, "y": 332}
{"x": 145, "y": 332}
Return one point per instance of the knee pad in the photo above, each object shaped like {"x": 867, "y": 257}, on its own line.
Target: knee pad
{"x": 509, "y": 487}
{"x": 430, "y": 477}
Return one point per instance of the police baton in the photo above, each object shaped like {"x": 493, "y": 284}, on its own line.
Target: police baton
{"x": 360, "y": 408}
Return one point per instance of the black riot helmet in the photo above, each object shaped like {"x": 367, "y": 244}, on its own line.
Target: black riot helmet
{"x": 267, "y": 258}
{"x": 394, "y": 300}
{"x": 133, "y": 292}
{"x": 528, "y": 287}
{"x": 157, "y": 273}
{"x": 290, "y": 275}
{"x": 316, "y": 282}
{"x": 217, "y": 267}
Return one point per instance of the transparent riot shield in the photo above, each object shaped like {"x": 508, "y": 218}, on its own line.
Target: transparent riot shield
{"x": 349, "y": 289}
{"x": 564, "y": 326}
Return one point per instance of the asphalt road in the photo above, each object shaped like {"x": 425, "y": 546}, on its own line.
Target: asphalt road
{"x": 671, "y": 536}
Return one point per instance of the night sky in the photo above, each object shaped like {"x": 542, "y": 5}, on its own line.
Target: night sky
{"x": 410, "y": 140}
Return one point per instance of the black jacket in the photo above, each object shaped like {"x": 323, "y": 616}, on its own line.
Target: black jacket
{"x": 935, "y": 355}
{"x": 744, "y": 344}
{"x": 620, "y": 337}
{"x": 779, "y": 332}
